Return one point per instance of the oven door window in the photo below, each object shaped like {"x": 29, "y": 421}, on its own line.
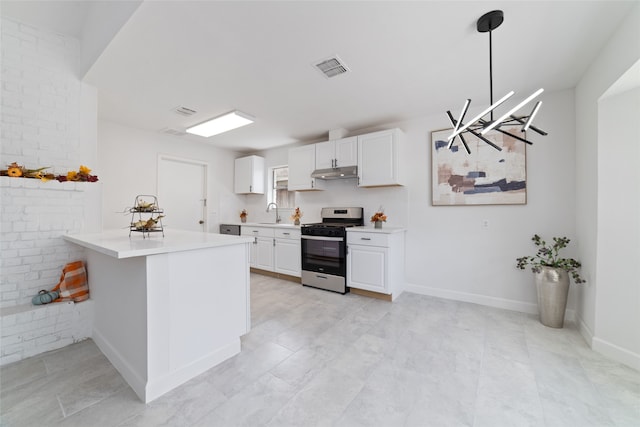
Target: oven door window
{"x": 324, "y": 256}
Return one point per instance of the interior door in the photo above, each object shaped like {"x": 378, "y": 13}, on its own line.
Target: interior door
{"x": 182, "y": 193}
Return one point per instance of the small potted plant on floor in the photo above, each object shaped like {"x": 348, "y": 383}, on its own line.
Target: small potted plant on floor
{"x": 552, "y": 278}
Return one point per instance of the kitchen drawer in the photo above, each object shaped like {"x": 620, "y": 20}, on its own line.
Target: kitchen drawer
{"x": 367, "y": 239}
{"x": 284, "y": 233}
{"x": 257, "y": 231}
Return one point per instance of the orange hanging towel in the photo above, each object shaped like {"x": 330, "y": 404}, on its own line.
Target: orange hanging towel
{"x": 73, "y": 284}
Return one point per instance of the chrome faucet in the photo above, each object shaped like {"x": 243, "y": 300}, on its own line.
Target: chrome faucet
{"x": 278, "y": 219}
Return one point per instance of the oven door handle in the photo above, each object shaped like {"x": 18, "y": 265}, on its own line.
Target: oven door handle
{"x": 325, "y": 238}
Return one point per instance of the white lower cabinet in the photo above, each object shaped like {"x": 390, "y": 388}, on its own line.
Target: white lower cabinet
{"x": 264, "y": 253}
{"x": 287, "y": 252}
{"x": 375, "y": 261}
{"x": 275, "y": 249}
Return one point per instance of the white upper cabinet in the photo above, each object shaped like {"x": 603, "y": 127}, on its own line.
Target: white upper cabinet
{"x": 249, "y": 175}
{"x": 302, "y": 162}
{"x": 338, "y": 153}
{"x": 379, "y": 158}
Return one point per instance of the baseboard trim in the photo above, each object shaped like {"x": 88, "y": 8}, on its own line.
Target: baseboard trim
{"x": 135, "y": 381}
{"x": 371, "y": 294}
{"x": 496, "y": 302}
{"x": 585, "y": 331}
{"x": 276, "y": 275}
{"x": 616, "y": 353}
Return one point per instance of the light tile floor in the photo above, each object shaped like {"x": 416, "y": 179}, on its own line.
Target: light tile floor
{"x": 318, "y": 358}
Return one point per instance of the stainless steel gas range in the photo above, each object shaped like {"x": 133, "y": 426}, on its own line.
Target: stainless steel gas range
{"x": 324, "y": 249}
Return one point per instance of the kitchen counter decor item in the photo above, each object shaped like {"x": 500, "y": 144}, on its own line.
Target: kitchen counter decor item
{"x": 296, "y": 215}
{"x": 378, "y": 218}
{"x": 243, "y": 215}
{"x": 151, "y": 222}
{"x": 83, "y": 174}
{"x": 14, "y": 170}
{"x": 551, "y": 278}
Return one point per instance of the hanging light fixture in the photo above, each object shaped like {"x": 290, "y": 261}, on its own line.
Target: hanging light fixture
{"x": 479, "y": 126}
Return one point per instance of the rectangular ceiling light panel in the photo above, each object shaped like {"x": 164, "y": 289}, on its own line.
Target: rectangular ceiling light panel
{"x": 224, "y": 123}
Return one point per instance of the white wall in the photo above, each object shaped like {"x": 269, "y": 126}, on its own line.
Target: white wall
{"x": 48, "y": 119}
{"x": 618, "y": 270}
{"x": 448, "y": 253}
{"x": 128, "y": 159}
{"x": 621, "y": 52}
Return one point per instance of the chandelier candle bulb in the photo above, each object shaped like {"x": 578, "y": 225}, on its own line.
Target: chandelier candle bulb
{"x": 510, "y": 112}
{"x": 531, "y": 116}
{"x": 479, "y": 116}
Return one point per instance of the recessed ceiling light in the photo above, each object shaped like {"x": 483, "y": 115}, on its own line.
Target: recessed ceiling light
{"x": 224, "y": 123}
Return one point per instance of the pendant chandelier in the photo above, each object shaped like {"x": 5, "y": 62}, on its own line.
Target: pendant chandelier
{"x": 479, "y": 126}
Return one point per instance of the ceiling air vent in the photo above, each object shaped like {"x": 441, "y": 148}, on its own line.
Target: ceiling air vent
{"x": 331, "y": 67}
{"x": 173, "y": 131}
{"x": 184, "y": 111}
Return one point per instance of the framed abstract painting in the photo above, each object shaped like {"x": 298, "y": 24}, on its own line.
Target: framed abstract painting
{"x": 484, "y": 177}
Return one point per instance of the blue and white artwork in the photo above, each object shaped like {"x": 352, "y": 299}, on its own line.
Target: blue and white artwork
{"x": 484, "y": 177}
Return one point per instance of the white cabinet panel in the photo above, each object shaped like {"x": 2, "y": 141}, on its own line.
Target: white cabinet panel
{"x": 302, "y": 162}
{"x": 249, "y": 175}
{"x": 379, "y": 156}
{"x": 367, "y": 268}
{"x": 346, "y": 152}
{"x": 375, "y": 261}
{"x": 338, "y": 153}
{"x": 264, "y": 253}
{"x": 287, "y": 257}
{"x": 325, "y": 154}
{"x": 275, "y": 249}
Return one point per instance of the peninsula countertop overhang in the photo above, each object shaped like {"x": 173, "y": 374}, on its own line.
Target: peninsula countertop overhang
{"x": 118, "y": 244}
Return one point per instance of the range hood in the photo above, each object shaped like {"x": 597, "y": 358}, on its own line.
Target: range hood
{"x": 336, "y": 173}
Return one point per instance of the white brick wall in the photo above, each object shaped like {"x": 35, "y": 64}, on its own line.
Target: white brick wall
{"x": 42, "y": 111}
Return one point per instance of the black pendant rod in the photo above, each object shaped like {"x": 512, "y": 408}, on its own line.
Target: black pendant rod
{"x": 490, "y": 73}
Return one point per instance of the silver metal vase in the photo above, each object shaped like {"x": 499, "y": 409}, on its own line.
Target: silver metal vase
{"x": 553, "y": 287}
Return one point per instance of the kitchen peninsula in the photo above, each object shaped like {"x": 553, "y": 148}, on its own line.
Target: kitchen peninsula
{"x": 167, "y": 308}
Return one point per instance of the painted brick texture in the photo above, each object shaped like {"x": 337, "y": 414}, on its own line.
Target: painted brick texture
{"x": 41, "y": 126}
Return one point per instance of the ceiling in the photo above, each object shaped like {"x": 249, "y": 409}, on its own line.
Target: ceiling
{"x": 405, "y": 60}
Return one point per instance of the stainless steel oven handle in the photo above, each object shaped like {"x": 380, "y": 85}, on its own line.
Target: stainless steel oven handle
{"x": 331, "y": 239}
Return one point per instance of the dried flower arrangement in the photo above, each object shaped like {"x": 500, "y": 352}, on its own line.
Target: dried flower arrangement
{"x": 296, "y": 215}
{"x": 379, "y": 216}
{"x": 15, "y": 170}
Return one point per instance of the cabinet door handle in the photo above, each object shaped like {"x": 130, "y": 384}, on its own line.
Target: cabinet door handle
{"x": 365, "y": 238}
{"x": 312, "y": 183}
{"x": 335, "y": 163}
{"x": 286, "y": 234}
{"x": 254, "y": 231}
{"x": 274, "y": 242}
{"x": 255, "y": 240}
{"x": 250, "y": 188}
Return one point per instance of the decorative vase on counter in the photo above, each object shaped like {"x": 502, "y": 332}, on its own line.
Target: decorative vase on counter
{"x": 243, "y": 219}
{"x": 378, "y": 224}
{"x": 552, "y": 285}
{"x": 296, "y": 222}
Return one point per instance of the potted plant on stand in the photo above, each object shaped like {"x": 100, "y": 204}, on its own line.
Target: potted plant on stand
{"x": 552, "y": 278}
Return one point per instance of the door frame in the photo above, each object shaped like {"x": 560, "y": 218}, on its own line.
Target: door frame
{"x": 205, "y": 188}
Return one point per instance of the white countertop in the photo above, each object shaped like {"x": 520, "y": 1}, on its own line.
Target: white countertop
{"x": 263, "y": 224}
{"x": 372, "y": 229}
{"x": 118, "y": 244}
